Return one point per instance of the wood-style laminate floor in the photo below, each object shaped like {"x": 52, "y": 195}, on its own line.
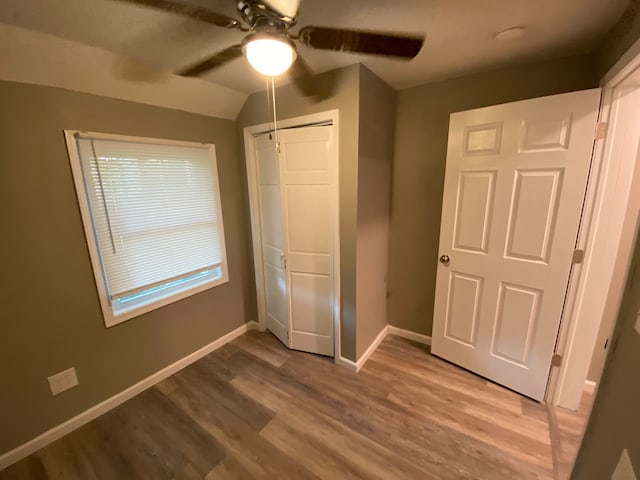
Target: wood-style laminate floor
{"x": 566, "y": 428}
{"x": 254, "y": 409}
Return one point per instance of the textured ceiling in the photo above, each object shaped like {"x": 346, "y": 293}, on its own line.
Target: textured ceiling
{"x": 459, "y": 33}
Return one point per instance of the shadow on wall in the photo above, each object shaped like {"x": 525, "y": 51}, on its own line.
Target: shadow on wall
{"x": 315, "y": 88}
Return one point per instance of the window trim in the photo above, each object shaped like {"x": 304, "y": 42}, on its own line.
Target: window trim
{"x": 109, "y": 316}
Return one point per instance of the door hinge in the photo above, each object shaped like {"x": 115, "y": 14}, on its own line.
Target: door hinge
{"x": 556, "y": 360}
{"x": 578, "y": 256}
{"x": 601, "y": 130}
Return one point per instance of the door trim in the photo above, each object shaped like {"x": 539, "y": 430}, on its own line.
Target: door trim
{"x": 578, "y": 331}
{"x": 330, "y": 116}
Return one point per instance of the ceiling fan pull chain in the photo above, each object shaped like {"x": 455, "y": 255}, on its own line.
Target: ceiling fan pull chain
{"x": 269, "y": 110}
{"x": 275, "y": 117}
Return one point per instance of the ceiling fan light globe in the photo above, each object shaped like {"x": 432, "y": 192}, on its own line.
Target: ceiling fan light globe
{"x": 270, "y": 56}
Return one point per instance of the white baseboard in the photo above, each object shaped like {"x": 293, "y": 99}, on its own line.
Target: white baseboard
{"x": 388, "y": 330}
{"x": 346, "y": 363}
{"x": 589, "y": 386}
{"x": 416, "y": 337}
{"x": 372, "y": 348}
{"x": 94, "y": 412}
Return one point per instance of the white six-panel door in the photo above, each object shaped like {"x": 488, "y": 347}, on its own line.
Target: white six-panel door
{"x": 514, "y": 186}
{"x": 297, "y": 190}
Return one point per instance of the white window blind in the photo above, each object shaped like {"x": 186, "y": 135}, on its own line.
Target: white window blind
{"x": 155, "y": 214}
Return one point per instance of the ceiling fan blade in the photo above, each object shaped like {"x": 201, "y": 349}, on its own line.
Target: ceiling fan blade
{"x": 300, "y": 73}
{"x": 214, "y": 61}
{"x": 190, "y": 11}
{"x": 360, "y": 41}
{"x": 316, "y": 87}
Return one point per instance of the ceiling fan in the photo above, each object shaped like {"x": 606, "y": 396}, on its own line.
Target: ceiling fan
{"x": 270, "y": 44}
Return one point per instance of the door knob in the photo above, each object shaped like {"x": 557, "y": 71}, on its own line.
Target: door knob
{"x": 445, "y": 259}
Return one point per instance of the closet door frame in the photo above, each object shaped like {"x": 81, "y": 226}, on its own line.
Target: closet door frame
{"x": 323, "y": 118}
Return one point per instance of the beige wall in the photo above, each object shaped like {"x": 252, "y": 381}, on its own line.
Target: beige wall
{"x": 615, "y": 418}
{"x": 375, "y": 156}
{"x": 419, "y": 162}
{"x": 291, "y": 103}
{"x": 50, "y": 317}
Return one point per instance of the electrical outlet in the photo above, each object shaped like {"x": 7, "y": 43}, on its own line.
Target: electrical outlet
{"x": 624, "y": 469}
{"x": 63, "y": 381}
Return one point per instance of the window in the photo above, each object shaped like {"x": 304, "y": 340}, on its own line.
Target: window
{"x": 152, "y": 218}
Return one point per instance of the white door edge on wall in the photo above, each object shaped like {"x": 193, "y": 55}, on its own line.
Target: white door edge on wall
{"x": 606, "y": 225}
{"x": 249, "y": 133}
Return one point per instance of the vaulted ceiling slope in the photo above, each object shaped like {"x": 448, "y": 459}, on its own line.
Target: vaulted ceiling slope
{"x": 121, "y": 38}
{"x": 42, "y": 59}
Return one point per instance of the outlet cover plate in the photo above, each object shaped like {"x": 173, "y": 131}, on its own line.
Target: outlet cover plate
{"x": 62, "y": 381}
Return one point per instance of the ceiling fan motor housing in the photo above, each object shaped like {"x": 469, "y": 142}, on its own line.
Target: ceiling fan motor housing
{"x": 261, "y": 18}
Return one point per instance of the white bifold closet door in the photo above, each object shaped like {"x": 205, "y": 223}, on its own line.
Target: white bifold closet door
{"x": 297, "y": 215}
{"x": 275, "y": 282}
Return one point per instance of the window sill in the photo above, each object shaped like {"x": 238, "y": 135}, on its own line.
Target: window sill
{"x": 112, "y": 318}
